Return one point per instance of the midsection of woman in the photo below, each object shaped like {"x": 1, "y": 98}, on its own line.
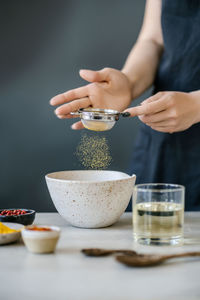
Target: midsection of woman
{"x": 165, "y": 157}
{"x": 179, "y": 68}
{"x": 165, "y": 55}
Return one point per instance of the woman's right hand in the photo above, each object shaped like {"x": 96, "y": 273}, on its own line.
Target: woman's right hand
{"x": 109, "y": 88}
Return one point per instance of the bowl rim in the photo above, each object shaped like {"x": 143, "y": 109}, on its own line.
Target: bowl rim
{"x": 52, "y": 227}
{"x": 31, "y": 211}
{"x": 47, "y": 176}
{"x": 54, "y": 233}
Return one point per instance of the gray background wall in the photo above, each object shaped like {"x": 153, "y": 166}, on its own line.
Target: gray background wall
{"x": 43, "y": 46}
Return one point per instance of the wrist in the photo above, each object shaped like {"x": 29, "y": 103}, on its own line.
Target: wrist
{"x": 195, "y": 96}
{"x": 133, "y": 83}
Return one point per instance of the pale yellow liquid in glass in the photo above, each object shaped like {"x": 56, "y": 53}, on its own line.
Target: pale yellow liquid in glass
{"x": 158, "y": 220}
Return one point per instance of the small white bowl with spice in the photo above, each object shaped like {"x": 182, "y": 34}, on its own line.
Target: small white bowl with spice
{"x": 40, "y": 238}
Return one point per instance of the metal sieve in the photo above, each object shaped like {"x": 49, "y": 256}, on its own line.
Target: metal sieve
{"x": 98, "y": 119}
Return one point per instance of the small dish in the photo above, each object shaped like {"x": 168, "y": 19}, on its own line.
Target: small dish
{"x": 7, "y": 238}
{"x": 25, "y": 219}
{"x": 38, "y": 241}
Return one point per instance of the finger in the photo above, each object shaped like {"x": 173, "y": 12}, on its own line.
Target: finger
{"x": 61, "y": 116}
{"x": 95, "y": 76}
{"x": 165, "y": 123}
{"x": 70, "y": 95}
{"x": 153, "y": 98}
{"x": 154, "y": 118}
{"x": 163, "y": 129}
{"x": 149, "y": 108}
{"x": 77, "y": 126}
{"x": 73, "y": 106}
{"x": 69, "y": 116}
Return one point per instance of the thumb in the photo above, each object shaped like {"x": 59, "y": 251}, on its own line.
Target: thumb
{"x": 77, "y": 126}
{"x": 95, "y": 76}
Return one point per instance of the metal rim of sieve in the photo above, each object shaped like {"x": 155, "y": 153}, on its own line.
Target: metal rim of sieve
{"x": 98, "y": 114}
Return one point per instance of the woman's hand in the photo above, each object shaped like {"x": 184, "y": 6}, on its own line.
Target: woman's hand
{"x": 109, "y": 88}
{"x": 169, "y": 111}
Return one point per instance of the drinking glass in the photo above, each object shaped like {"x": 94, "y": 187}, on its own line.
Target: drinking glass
{"x": 158, "y": 213}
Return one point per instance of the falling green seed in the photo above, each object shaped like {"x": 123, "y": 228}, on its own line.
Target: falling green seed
{"x": 93, "y": 152}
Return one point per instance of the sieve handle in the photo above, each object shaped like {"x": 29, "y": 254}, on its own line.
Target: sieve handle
{"x": 125, "y": 114}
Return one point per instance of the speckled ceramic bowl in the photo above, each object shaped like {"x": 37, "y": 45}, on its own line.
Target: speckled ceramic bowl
{"x": 90, "y": 199}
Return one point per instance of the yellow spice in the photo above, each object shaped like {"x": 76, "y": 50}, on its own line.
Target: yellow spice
{"x": 93, "y": 152}
{"x": 5, "y": 229}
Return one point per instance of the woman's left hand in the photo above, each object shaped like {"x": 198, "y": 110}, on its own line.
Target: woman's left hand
{"x": 169, "y": 111}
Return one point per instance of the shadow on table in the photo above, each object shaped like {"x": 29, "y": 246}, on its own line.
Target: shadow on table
{"x": 121, "y": 224}
{"x": 189, "y": 240}
{"x": 17, "y": 243}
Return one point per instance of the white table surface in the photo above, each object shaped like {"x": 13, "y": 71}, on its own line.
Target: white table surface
{"x": 68, "y": 274}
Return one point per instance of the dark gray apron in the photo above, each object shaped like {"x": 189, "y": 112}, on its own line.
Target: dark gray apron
{"x": 174, "y": 158}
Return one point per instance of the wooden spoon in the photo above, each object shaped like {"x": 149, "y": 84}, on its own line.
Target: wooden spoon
{"x": 146, "y": 260}
{"x": 105, "y": 252}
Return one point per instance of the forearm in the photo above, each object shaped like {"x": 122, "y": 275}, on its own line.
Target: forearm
{"x": 141, "y": 65}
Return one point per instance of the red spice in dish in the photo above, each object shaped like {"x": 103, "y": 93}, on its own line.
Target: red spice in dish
{"x": 39, "y": 228}
{"x": 12, "y": 212}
